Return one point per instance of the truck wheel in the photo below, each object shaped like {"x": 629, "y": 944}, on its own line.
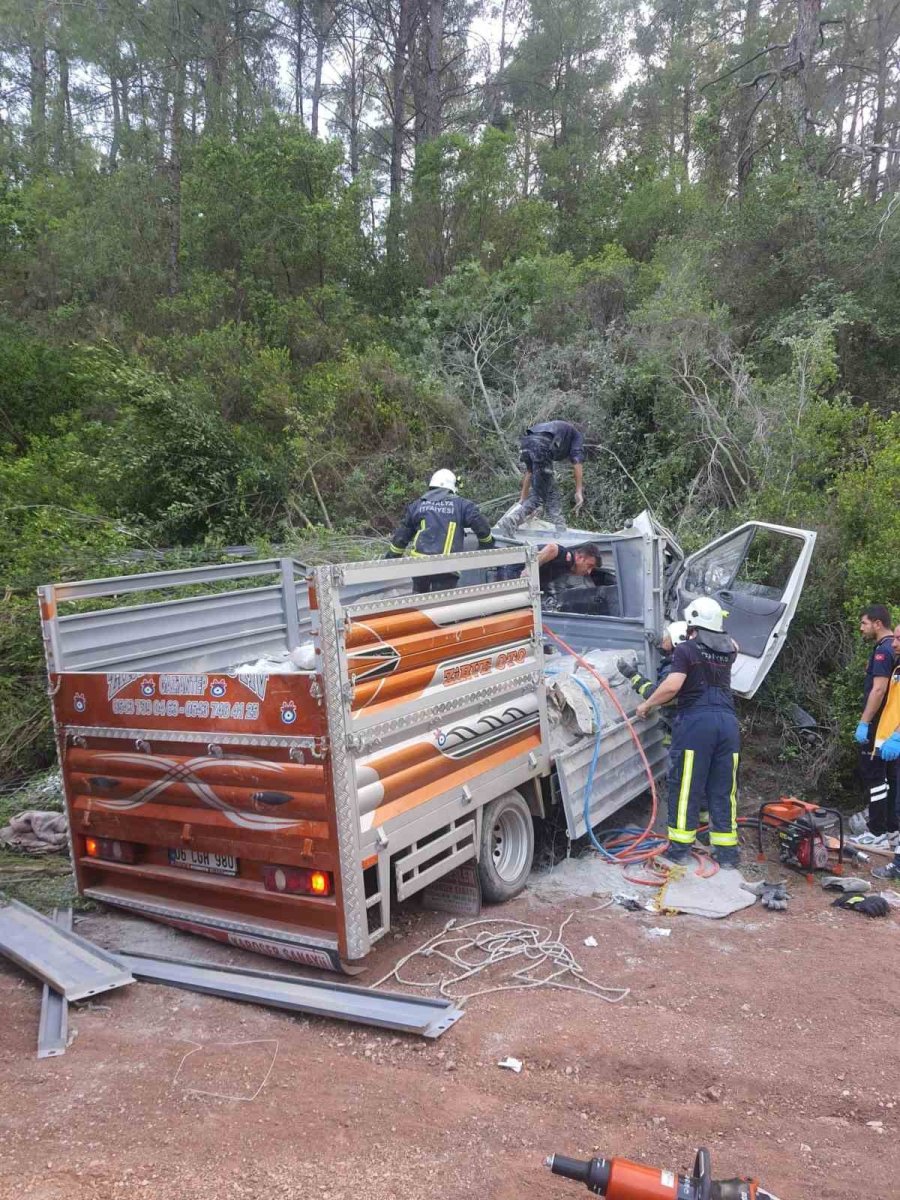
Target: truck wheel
{"x": 507, "y": 848}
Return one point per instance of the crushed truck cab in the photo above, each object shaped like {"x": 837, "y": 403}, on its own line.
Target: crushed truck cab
{"x": 270, "y": 755}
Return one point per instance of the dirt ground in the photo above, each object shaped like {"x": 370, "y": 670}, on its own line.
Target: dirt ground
{"x": 772, "y": 1039}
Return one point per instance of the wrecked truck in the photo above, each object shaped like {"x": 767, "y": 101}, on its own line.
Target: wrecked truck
{"x": 271, "y": 755}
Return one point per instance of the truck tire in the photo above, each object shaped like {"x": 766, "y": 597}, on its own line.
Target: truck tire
{"x": 507, "y": 848}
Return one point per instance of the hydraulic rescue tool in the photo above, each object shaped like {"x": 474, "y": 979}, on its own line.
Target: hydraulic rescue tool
{"x": 804, "y": 833}
{"x": 619, "y": 1179}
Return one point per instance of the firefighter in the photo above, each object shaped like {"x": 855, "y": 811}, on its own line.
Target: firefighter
{"x": 673, "y": 635}
{"x": 436, "y": 524}
{"x": 706, "y": 739}
{"x": 543, "y": 445}
{"x": 875, "y": 626}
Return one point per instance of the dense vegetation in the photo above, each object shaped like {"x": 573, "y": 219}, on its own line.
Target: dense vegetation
{"x": 263, "y": 268}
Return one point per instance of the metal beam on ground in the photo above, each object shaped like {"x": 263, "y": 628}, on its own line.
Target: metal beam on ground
{"x": 53, "y": 1027}
{"x": 424, "y": 1016}
{"x": 69, "y": 963}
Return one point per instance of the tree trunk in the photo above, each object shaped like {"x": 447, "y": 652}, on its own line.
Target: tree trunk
{"x": 299, "y": 31}
{"x": 116, "y": 139}
{"x": 495, "y": 86}
{"x": 745, "y": 114}
{"x": 62, "y": 114}
{"x": 353, "y": 104}
{"x": 799, "y": 86}
{"x": 240, "y": 73}
{"x": 881, "y": 87}
{"x": 321, "y": 37}
{"x": 176, "y": 142}
{"x": 37, "y": 87}
{"x": 399, "y": 81}
{"x": 434, "y": 43}
{"x": 216, "y": 75}
{"x": 687, "y": 99}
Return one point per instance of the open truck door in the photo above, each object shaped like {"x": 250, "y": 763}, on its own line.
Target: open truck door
{"x": 756, "y": 573}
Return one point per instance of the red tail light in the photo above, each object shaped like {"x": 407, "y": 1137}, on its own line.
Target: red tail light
{"x": 298, "y": 881}
{"x": 110, "y": 849}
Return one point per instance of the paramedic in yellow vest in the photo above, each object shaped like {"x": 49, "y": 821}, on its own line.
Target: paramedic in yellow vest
{"x": 436, "y": 524}
{"x": 887, "y": 745}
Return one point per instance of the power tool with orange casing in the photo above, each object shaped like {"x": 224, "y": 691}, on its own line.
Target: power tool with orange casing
{"x": 803, "y": 831}
{"x": 619, "y": 1179}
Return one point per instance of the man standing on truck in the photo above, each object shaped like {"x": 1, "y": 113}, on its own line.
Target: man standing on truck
{"x": 543, "y": 445}
{"x": 875, "y": 626}
{"x": 706, "y": 737}
{"x": 436, "y": 524}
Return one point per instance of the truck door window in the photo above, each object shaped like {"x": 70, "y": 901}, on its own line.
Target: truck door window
{"x": 713, "y": 571}
{"x": 768, "y": 564}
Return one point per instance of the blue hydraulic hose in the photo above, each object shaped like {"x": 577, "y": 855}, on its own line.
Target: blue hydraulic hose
{"x": 589, "y": 784}
{"x": 648, "y": 843}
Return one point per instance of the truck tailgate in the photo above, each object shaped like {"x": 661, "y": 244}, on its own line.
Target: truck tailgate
{"x": 206, "y": 784}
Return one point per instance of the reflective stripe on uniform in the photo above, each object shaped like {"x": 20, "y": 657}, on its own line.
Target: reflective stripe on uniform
{"x": 685, "y": 836}
{"x": 419, "y": 533}
{"x": 730, "y": 837}
{"x": 684, "y": 793}
{"x": 722, "y": 839}
{"x": 398, "y": 550}
{"x": 448, "y": 540}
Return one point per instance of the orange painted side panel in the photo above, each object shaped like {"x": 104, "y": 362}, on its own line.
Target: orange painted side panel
{"x": 409, "y": 789}
{"x": 421, "y": 649}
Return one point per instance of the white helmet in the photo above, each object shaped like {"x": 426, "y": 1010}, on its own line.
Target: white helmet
{"x": 677, "y": 632}
{"x": 705, "y": 613}
{"x": 443, "y": 479}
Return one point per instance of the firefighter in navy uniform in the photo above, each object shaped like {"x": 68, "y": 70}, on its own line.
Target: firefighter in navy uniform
{"x": 436, "y": 524}
{"x": 673, "y": 635}
{"x": 543, "y": 445}
{"x": 706, "y": 738}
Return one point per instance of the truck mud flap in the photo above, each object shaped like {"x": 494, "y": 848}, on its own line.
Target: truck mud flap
{"x": 307, "y": 950}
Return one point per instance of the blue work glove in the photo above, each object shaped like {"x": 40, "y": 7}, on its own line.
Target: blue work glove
{"x": 862, "y": 733}
{"x": 891, "y": 748}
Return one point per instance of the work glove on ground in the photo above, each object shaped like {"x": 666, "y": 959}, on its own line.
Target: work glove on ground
{"x": 862, "y": 733}
{"x": 856, "y": 824}
{"x": 890, "y": 749}
{"x": 869, "y": 906}
{"x": 772, "y": 895}
{"x": 846, "y": 883}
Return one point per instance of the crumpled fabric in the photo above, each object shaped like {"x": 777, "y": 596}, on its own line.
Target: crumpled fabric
{"x": 36, "y": 833}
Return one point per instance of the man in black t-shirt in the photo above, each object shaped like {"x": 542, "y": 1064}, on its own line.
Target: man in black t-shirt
{"x": 875, "y": 625}
{"x": 555, "y": 561}
{"x": 543, "y": 445}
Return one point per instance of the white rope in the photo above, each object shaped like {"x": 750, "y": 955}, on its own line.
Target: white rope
{"x": 470, "y": 954}
{"x": 228, "y": 1045}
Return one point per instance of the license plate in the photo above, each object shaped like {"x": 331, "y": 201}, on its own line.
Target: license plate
{"x": 204, "y": 860}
